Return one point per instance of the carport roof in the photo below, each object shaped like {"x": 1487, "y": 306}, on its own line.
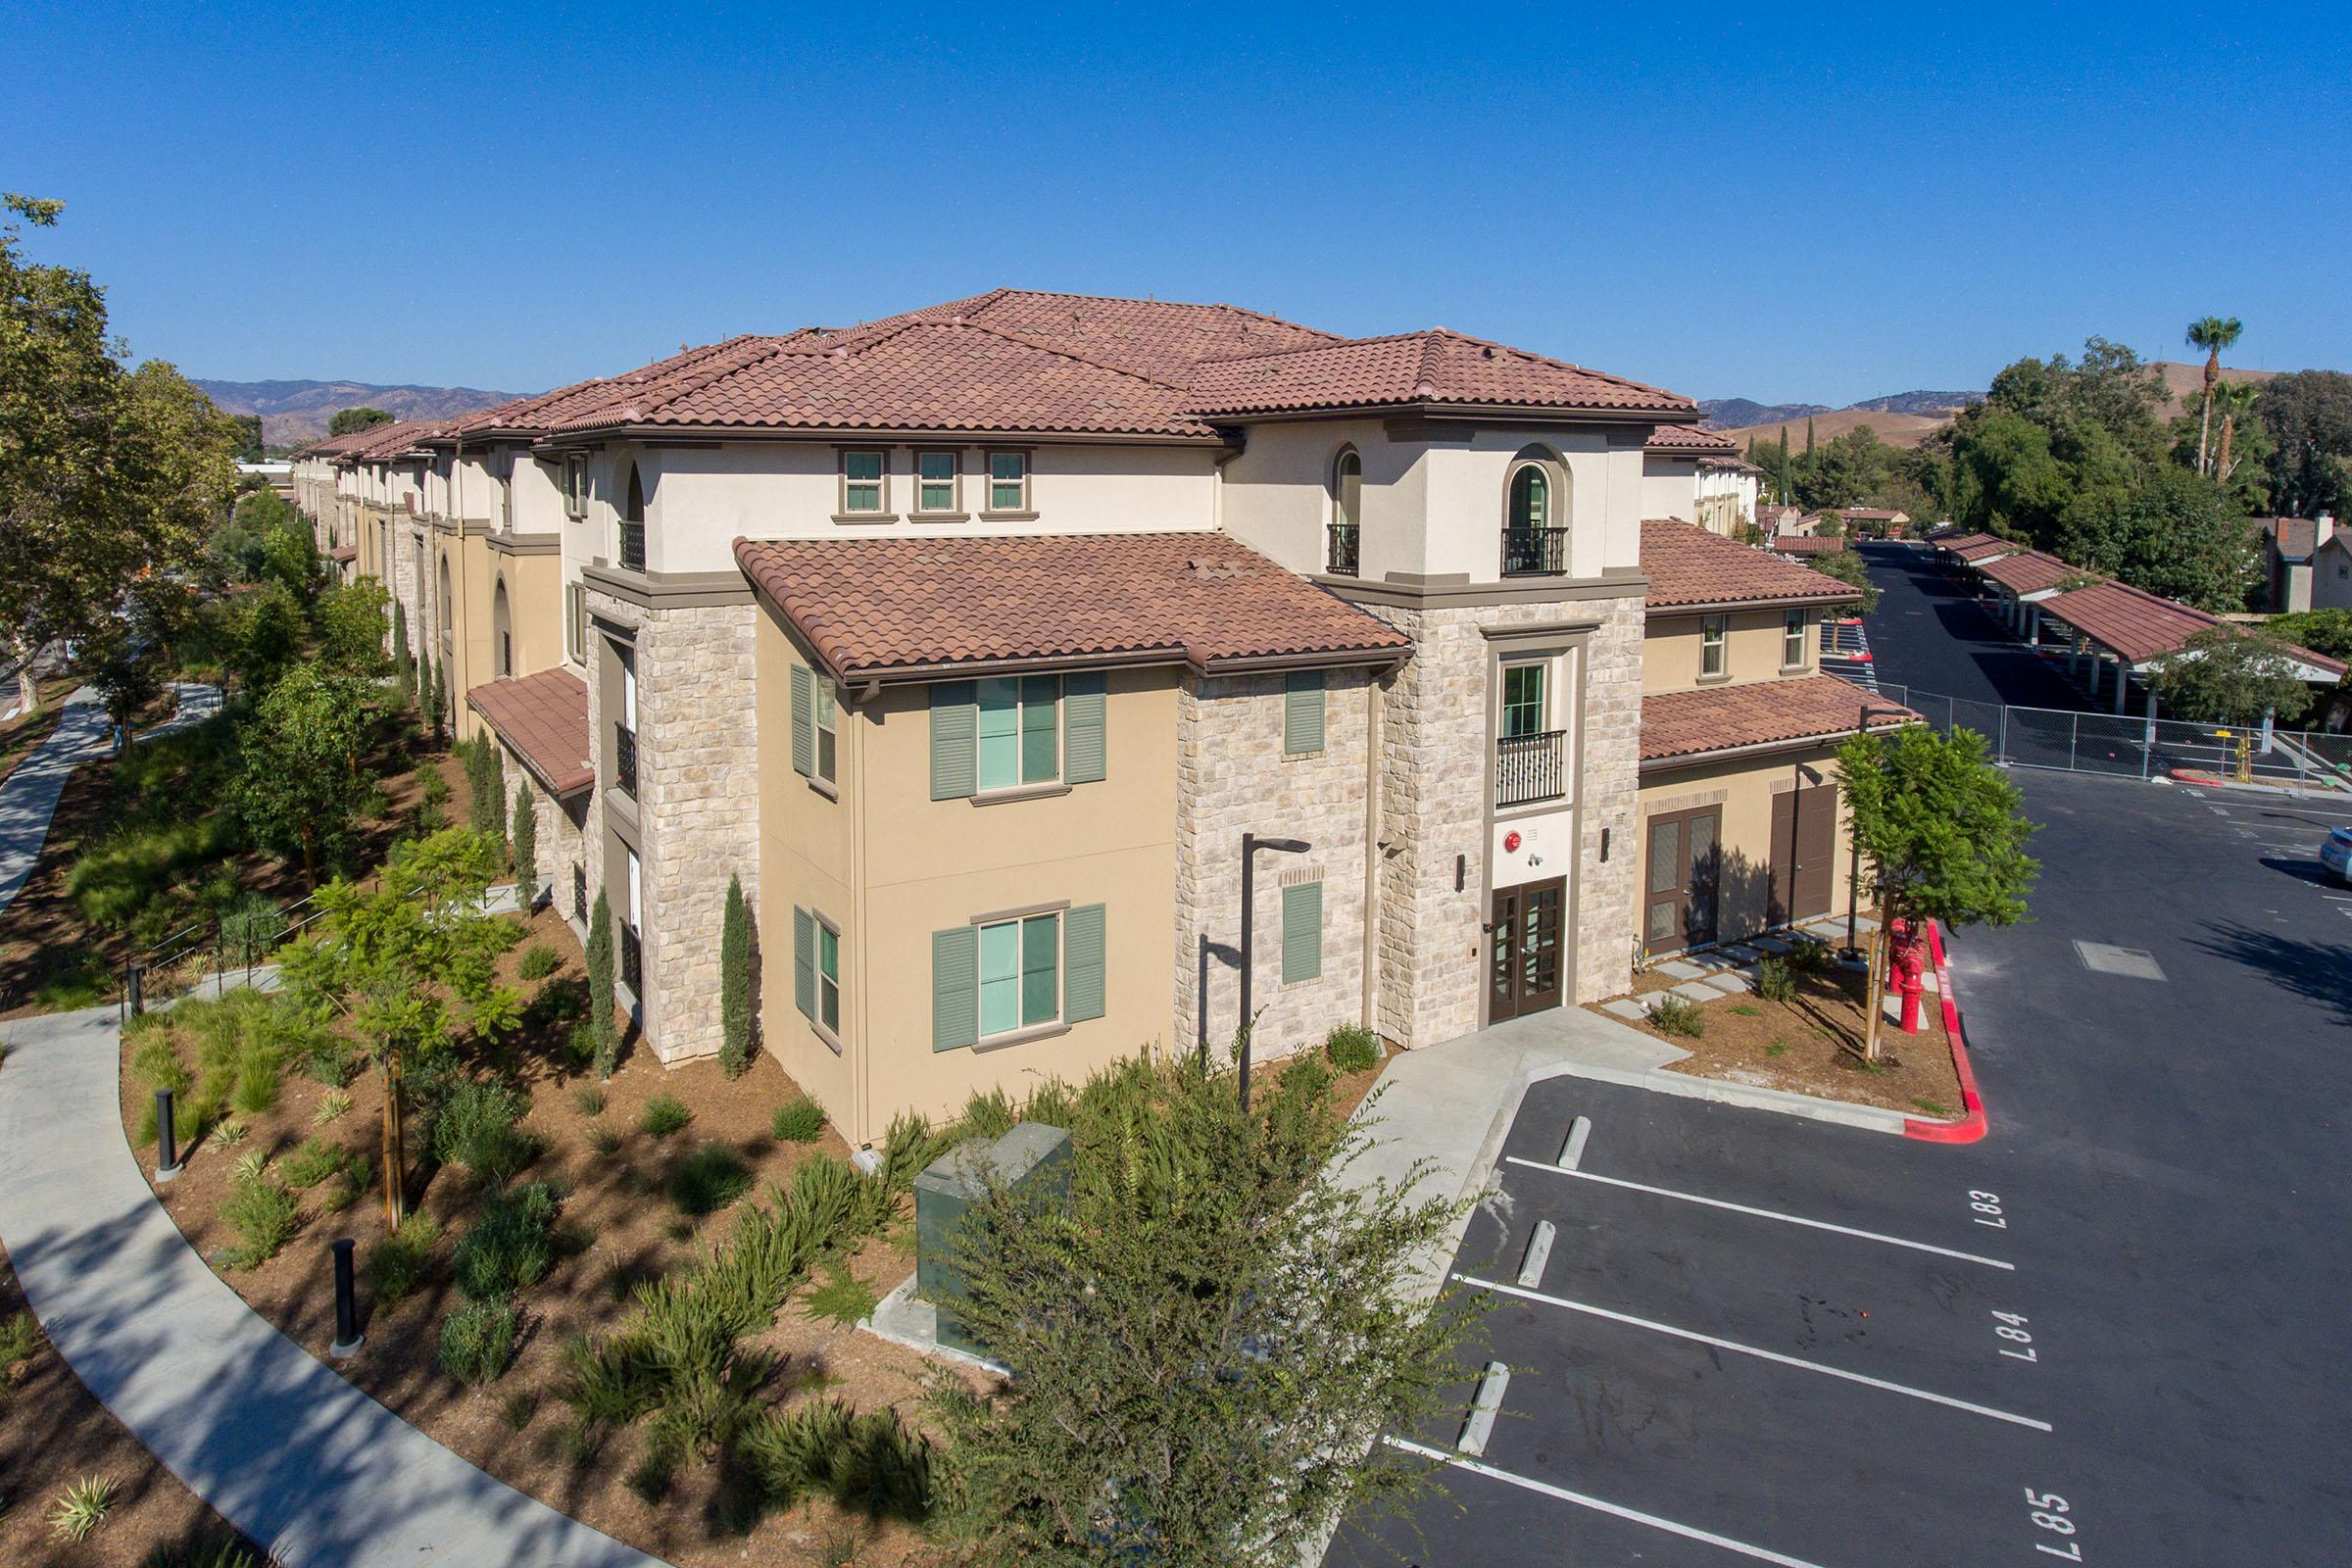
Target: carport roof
{"x": 2138, "y": 625}
{"x": 1978, "y": 552}
{"x": 2029, "y": 571}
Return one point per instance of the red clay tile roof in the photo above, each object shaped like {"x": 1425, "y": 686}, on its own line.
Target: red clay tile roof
{"x": 1688, "y": 438}
{"x": 2029, "y": 571}
{"x": 343, "y": 552}
{"x": 1723, "y": 718}
{"x": 1687, "y": 566}
{"x": 534, "y": 415}
{"x": 908, "y": 375}
{"x": 1805, "y": 544}
{"x": 1977, "y": 552}
{"x": 387, "y": 443}
{"x": 880, "y": 608}
{"x": 1955, "y": 539}
{"x": 1162, "y": 339}
{"x": 2140, "y": 626}
{"x": 1433, "y": 368}
{"x": 544, "y": 720}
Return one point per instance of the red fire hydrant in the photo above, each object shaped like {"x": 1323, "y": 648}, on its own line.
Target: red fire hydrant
{"x": 1909, "y": 959}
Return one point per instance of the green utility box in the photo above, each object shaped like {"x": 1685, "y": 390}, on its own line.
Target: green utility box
{"x": 1031, "y": 1156}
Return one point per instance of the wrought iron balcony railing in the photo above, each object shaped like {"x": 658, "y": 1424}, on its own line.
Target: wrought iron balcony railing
{"x": 624, "y": 759}
{"x": 1531, "y": 767}
{"x": 1345, "y": 552}
{"x": 1533, "y": 552}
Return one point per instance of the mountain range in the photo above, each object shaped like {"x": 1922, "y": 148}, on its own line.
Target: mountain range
{"x": 1738, "y": 414}
{"x": 294, "y": 412}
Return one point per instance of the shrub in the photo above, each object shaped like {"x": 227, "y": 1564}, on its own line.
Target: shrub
{"x": 519, "y": 1410}
{"x": 358, "y": 1171}
{"x": 478, "y": 1341}
{"x": 589, "y": 1099}
{"x": 868, "y": 1462}
{"x": 249, "y": 928}
{"x": 664, "y": 1114}
{"x": 476, "y": 1128}
{"x": 1353, "y": 1048}
{"x": 603, "y": 1140}
{"x": 507, "y": 1249}
{"x": 82, "y": 1508}
{"x": 1773, "y": 982}
{"x": 255, "y": 1088}
{"x": 400, "y": 1260}
{"x": 334, "y": 1106}
{"x": 799, "y": 1121}
{"x": 85, "y": 984}
{"x": 735, "y": 983}
{"x": 539, "y": 960}
{"x": 559, "y": 1003}
{"x": 20, "y": 1337}
{"x": 157, "y": 1064}
{"x": 986, "y": 1115}
{"x": 219, "y": 1552}
{"x": 263, "y": 1214}
{"x": 603, "y": 1038}
{"x": 1806, "y": 957}
{"x": 334, "y": 1061}
{"x": 314, "y": 1162}
{"x": 526, "y": 834}
{"x": 1678, "y": 1015}
{"x": 708, "y": 1179}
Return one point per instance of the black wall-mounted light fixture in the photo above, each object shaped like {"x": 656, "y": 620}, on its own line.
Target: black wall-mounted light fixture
{"x": 1462, "y": 872}
{"x": 1605, "y": 846}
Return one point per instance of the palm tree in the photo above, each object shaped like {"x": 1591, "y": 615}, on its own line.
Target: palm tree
{"x": 2236, "y": 401}
{"x": 2212, "y": 334}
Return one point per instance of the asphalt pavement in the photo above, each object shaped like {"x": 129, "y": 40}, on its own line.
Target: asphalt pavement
{"x": 2105, "y": 1334}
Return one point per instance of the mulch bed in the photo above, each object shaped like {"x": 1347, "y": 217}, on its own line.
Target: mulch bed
{"x": 1809, "y": 1046}
{"x": 53, "y": 1431}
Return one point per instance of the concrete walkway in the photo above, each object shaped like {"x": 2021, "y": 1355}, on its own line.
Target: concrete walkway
{"x": 29, "y": 795}
{"x": 299, "y": 1460}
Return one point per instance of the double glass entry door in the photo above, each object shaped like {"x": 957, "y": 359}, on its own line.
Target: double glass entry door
{"x": 1524, "y": 945}
{"x": 1677, "y": 903}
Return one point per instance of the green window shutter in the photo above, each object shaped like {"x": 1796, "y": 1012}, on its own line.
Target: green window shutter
{"x": 1082, "y": 719}
{"x": 955, "y": 739}
{"x": 1082, "y": 964}
{"x": 1302, "y": 714}
{"x": 803, "y": 962}
{"x": 804, "y": 732}
{"x": 954, "y": 987}
{"x": 1302, "y": 931}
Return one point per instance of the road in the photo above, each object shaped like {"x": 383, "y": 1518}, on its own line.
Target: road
{"x": 1759, "y": 1339}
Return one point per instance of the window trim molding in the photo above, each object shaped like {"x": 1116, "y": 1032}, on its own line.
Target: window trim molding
{"x": 843, "y": 512}
{"x": 816, "y": 965}
{"x": 1027, "y": 510}
{"x": 1708, "y": 645}
{"x": 954, "y": 510}
{"x": 1804, "y": 624}
{"x": 1021, "y": 1033}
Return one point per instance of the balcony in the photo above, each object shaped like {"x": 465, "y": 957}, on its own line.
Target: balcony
{"x": 1344, "y": 551}
{"x": 624, "y": 759}
{"x": 632, "y": 546}
{"x": 579, "y": 893}
{"x": 632, "y": 960}
{"x": 1531, "y": 767}
{"x": 1534, "y": 552}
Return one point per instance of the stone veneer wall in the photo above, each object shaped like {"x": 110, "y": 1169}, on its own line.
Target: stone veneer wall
{"x": 1435, "y": 776}
{"x": 698, "y": 802}
{"x": 1232, "y": 777}
{"x": 561, "y": 842}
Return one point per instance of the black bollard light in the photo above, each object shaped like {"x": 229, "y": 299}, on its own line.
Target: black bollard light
{"x": 134, "y": 984}
{"x": 167, "y": 1147}
{"x": 347, "y": 1306}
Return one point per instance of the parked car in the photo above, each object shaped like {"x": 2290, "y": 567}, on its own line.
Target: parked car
{"x": 2336, "y": 855}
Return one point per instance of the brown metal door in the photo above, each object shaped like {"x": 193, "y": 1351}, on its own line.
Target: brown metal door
{"x": 1680, "y": 874}
{"x": 1804, "y": 852}
{"x": 1524, "y": 962}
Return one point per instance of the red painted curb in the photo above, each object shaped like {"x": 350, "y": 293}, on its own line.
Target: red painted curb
{"x": 1974, "y": 1125}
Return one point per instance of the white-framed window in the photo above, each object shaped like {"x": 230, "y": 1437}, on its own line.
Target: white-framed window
{"x": 1524, "y": 704}
{"x": 1019, "y": 731}
{"x": 826, "y": 718}
{"x": 576, "y": 487}
{"x": 1009, "y": 481}
{"x": 938, "y": 478}
{"x": 575, "y": 622}
{"x": 1714, "y": 649}
{"x": 864, "y": 486}
{"x": 1020, "y": 974}
{"x": 1793, "y": 638}
{"x": 828, "y": 975}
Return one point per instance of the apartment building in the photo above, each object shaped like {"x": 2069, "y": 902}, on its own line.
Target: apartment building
{"x": 1698, "y": 475}
{"x": 974, "y": 640}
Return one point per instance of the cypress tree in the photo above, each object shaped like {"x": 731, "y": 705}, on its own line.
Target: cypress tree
{"x": 604, "y": 1037}
{"x": 735, "y": 984}
{"x": 527, "y": 847}
{"x": 404, "y": 661}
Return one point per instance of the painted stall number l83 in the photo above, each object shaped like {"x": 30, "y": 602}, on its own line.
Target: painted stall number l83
{"x": 2049, "y": 1513}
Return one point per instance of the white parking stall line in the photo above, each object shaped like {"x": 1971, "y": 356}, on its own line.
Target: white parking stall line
{"x": 1757, "y": 1351}
{"x": 1613, "y": 1509}
{"x": 1761, "y": 1213}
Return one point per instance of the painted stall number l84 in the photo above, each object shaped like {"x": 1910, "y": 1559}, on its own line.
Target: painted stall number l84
{"x": 2050, "y": 1513}
{"x": 2011, "y": 1326}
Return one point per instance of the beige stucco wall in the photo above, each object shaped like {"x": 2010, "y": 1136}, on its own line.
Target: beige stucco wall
{"x": 535, "y": 610}
{"x": 1670, "y": 652}
{"x": 1669, "y": 486}
{"x": 1744, "y": 791}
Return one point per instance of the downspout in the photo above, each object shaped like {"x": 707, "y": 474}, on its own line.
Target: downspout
{"x": 1373, "y": 725}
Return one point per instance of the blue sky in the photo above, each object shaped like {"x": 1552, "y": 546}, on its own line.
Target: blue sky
{"x": 1823, "y": 207}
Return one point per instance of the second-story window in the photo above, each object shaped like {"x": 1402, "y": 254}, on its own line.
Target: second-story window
{"x": 1713, "y": 645}
{"x": 1019, "y": 731}
{"x": 861, "y": 483}
{"x": 576, "y": 487}
{"x": 632, "y": 524}
{"x": 1522, "y": 700}
{"x": 1532, "y": 541}
{"x": 1009, "y": 481}
{"x": 936, "y": 481}
{"x": 828, "y": 724}
{"x": 575, "y": 620}
{"x": 1344, "y": 557}
{"x": 1792, "y": 639}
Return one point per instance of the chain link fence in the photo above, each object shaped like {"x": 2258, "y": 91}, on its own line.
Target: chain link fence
{"x": 2304, "y": 762}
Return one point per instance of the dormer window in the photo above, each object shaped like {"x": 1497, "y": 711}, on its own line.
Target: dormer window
{"x": 1344, "y": 554}
{"x": 864, "y": 488}
{"x": 1009, "y": 481}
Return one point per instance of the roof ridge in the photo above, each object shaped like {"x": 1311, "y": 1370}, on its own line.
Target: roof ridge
{"x": 661, "y": 393}
{"x": 1056, "y": 349}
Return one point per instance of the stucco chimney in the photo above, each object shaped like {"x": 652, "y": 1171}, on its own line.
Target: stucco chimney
{"x": 2323, "y": 530}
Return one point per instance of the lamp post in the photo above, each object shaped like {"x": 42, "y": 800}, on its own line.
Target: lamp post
{"x": 1250, "y": 844}
{"x": 1853, "y": 872}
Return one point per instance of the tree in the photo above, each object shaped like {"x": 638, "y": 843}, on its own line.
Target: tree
{"x": 108, "y": 476}
{"x": 349, "y": 620}
{"x": 264, "y": 636}
{"x": 2173, "y": 533}
{"x": 302, "y": 783}
{"x": 403, "y": 966}
{"x": 249, "y": 437}
{"x": 2212, "y": 333}
{"x": 604, "y": 1034}
{"x": 1942, "y": 833}
{"x": 2308, "y": 415}
{"x": 1849, "y": 569}
{"x": 124, "y": 669}
{"x": 527, "y": 847}
{"x": 2322, "y": 631}
{"x": 735, "y": 983}
{"x": 432, "y": 698}
{"x": 404, "y": 661}
{"x": 346, "y": 421}
{"x": 485, "y": 786}
{"x": 2225, "y": 675}
{"x": 1211, "y": 1330}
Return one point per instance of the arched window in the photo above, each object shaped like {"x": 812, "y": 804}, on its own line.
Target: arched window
{"x": 1534, "y": 534}
{"x": 1344, "y": 552}
{"x": 502, "y": 639}
{"x": 632, "y": 524}
{"x": 445, "y": 617}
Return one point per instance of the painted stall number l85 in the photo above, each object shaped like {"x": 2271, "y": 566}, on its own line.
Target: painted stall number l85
{"x": 2049, "y": 1513}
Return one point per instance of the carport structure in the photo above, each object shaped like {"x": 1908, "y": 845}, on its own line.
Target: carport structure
{"x": 2023, "y": 582}
{"x": 2125, "y": 630}
{"x": 1956, "y": 549}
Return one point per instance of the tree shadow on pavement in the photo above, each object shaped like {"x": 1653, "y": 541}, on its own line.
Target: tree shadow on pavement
{"x": 2315, "y": 970}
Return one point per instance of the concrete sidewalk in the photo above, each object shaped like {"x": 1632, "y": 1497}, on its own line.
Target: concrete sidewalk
{"x": 289, "y": 1453}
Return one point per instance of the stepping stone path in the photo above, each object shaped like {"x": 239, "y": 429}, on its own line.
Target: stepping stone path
{"x": 1628, "y": 1008}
